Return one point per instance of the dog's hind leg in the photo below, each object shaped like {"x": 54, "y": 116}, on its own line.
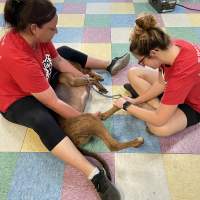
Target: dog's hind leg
{"x": 114, "y": 145}
{"x": 69, "y": 79}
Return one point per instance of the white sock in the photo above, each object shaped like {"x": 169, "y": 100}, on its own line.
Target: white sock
{"x": 94, "y": 172}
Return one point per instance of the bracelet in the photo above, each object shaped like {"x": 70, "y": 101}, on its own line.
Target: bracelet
{"x": 126, "y": 105}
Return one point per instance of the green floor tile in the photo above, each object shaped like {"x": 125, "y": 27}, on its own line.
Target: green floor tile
{"x": 143, "y": 8}
{"x": 97, "y": 21}
{"x": 187, "y": 33}
{"x": 7, "y": 167}
{"x": 119, "y": 49}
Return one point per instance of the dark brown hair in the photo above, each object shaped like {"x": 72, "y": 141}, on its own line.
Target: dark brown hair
{"x": 19, "y": 14}
{"x": 147, "y": 36}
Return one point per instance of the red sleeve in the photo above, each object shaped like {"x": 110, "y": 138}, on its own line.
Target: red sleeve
{"x": 28, "y": 75}
{"x": 52, "y": 50}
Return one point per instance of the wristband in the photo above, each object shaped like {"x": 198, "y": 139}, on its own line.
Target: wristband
{"x": 126, "y": 105}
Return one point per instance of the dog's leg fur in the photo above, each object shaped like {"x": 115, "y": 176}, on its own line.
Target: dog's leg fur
{"x": 69, "y": 79}
{"x": 108, "y": 113}
{"x": 92, "y": 74}
{"x": 80, "y": 129}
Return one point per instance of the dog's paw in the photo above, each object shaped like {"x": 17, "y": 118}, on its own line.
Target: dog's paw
{"x": 138, "y": 142}
{"x": 103, "y": 116}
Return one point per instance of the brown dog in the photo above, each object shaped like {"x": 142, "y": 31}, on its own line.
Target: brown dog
{"x": 108, "y": 113}
{"x": 92, "y": 79}
{"x": 80, "y": 129}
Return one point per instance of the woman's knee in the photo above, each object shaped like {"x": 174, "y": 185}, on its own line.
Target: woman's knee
{"x": 133, "y": 72}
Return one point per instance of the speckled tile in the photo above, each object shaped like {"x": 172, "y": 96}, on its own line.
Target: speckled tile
{"x": 183, "y": 175}
{"x": 141, "y": 176}
{"x": 71, "y": 20}
{"x": 7, "y": 168}
{"x": 120, "y": 35}
{"x": 98, "y": 50}
{"x": 11, "y": 136}
{"x": 32, "y": 142}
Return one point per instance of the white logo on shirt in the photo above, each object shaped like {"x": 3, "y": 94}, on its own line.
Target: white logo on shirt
{"x": 47, "y": 65}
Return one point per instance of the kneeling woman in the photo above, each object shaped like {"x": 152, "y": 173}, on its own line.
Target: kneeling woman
{"x": 166, "y": 93}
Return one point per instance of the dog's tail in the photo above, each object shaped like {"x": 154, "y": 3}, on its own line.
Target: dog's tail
{"x": 99, "y": 159}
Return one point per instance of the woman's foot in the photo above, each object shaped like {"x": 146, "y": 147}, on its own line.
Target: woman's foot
{"x": 118, "y": 63}
{"x": 105, "y": 188}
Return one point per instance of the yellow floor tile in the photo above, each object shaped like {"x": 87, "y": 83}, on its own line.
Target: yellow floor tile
{"x": 76, "y": 46}
{"x": 194, "y": 19}
{"x": 183, "y": 173}
{"x": 71, "y": 20}
{"x": 2, "y": 7}
{"x": 98, "y": 50}
{"x": 2, "y": 31}
{"x": 32, "y": 143}
{"x": 11, "y": 136}
{"x": 122, "y": 8}
{"x": 57, "y": 1}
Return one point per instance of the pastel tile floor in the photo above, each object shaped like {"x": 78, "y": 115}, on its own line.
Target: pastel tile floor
{"x": 162, "y": 169}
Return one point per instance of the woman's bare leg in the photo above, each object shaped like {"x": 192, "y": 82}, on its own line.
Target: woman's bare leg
{"x": 177, "y": 123}
{"x": 141, "y": 80}
{"x": 66, "y": 151}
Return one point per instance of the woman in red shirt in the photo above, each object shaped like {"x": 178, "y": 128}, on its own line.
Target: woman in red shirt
{"x": 28, "y": 63}
{"x": 172, "y": 75}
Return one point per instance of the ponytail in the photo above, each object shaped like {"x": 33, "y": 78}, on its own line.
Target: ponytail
{"x": 147, "y": 36}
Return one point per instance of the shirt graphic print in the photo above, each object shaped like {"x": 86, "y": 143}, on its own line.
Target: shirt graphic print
{"x": 47, "y": 65}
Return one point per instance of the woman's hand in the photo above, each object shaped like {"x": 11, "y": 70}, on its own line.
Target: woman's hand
{"x": 131, "y": 100}
{"x": 119, "y": 102}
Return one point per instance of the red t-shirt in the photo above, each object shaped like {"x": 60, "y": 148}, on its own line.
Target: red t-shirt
{"x": 22, "y": 70}
{"x": 183, "y": 77}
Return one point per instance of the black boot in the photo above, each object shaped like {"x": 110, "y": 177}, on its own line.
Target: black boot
{"x": 118, "y": 63}
{"x": 106, "y": 190}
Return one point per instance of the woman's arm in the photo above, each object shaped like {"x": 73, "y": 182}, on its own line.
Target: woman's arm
{"x": 156, "y": 89}
{"x": 64, "y": 65}
{"x": 156, "y": 117}
{"x": 50, "y": 100}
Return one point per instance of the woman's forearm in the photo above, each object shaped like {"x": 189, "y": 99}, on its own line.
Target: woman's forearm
{"x": 156, "y": 89}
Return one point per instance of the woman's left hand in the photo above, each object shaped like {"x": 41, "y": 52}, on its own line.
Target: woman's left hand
{"x": 119, "y": 102}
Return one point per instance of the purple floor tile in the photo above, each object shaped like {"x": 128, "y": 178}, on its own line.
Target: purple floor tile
{"x": 102, "y": 35}
{"x": 187, "y": 141}
{"x": 121, "y": 77}
{"x": 76, "y": 186}
{"x": 79, "y": 8}
{"x": 193, "y": 6}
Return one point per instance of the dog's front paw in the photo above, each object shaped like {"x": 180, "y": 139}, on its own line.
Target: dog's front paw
{"x": 103, "y": 116}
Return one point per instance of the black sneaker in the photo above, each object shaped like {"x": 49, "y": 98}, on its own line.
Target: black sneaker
{"x": 130, "y": 89}
{"x": 105, "y": 188}
{"x": 118, "y": 63}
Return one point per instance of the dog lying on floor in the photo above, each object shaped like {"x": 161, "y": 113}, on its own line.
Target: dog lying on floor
{"x": 80, "y": 129}
{"x": 92, "y": 78}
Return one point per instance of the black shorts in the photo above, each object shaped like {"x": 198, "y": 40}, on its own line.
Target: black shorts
{"x": 193, "y": 117}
